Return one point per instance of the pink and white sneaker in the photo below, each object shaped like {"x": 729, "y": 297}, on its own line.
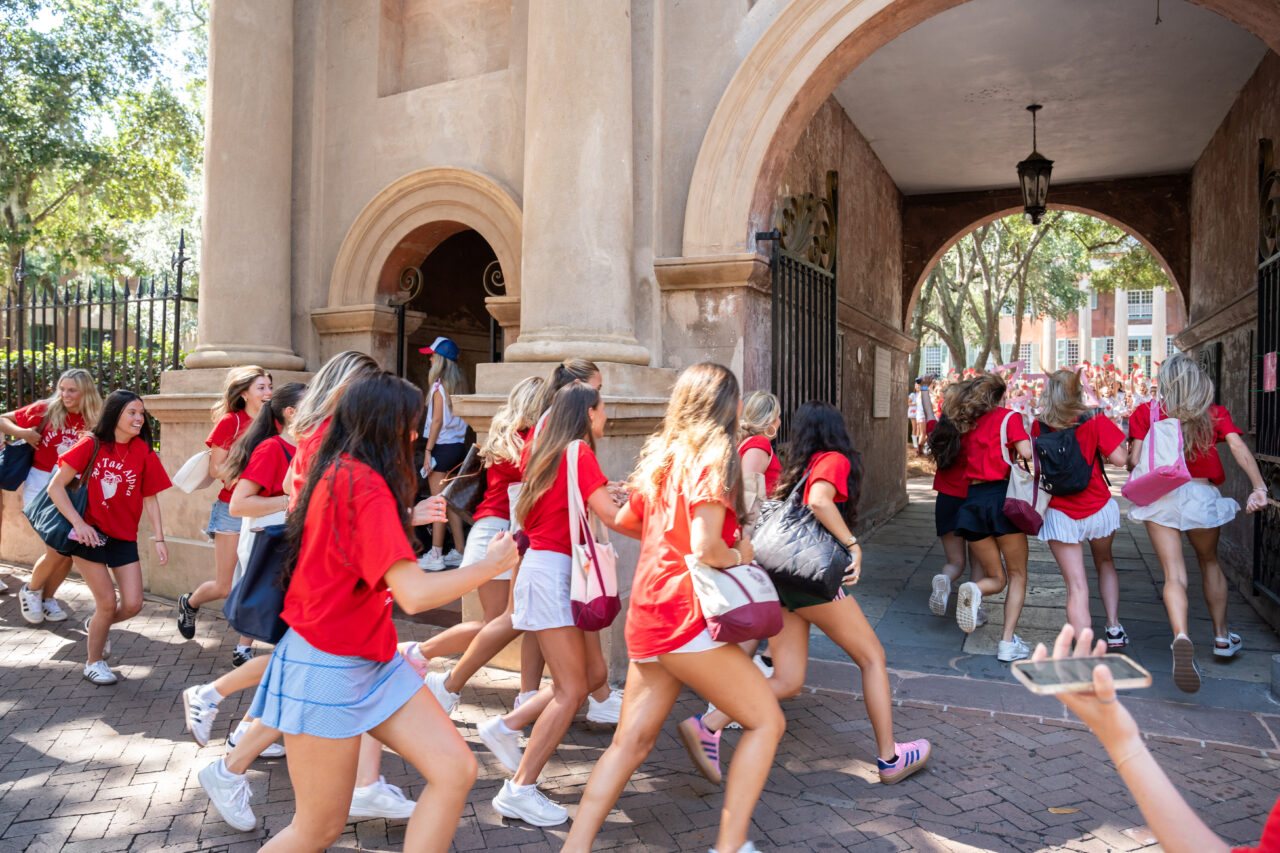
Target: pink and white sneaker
{"x": 413, "y": 656}
{"x": 911, "y": 757}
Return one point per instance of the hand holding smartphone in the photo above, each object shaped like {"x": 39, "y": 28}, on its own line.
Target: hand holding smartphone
{"x": 1075, "y": 674}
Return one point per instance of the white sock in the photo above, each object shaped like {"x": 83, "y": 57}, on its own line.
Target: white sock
{"x": 435, "y": 552}
{"x": 223, "y": 772}
{"x": 505, "y": 729}
{"x": 242, "y": 649}
{"x": 209, "y": 694}
{"x": 241, "y": 728}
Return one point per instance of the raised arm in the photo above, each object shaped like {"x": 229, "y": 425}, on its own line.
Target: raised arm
{"x": 415, "y": 590}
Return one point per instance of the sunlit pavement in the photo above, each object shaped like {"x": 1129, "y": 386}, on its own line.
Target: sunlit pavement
{"x": 85, "y": 768}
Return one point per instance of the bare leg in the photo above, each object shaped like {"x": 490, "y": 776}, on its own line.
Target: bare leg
{"x": 789, "y": 649}
{"x": 492, "y": 638}
{"x": 530, "y": 709}
{"x": 1167, "y": 543}
{"x": 953, "y": 547}
{"x": 322, "y": 771}
{"x": 98, "y": 579}
{"x": 1214, "y": 583}
{"x": 1070, "y": 557}
{"x": 597, "y": 669}
{"x": 455, "y": 639}
{"x": 566, "y": 653}
{"x": 435, "y": 482}
{"x": 986, "y": 553}
{"x": 49, "y": 572}
{"x": 242, "y": 677}
{"x": 1108, "y": 580}
{"x": 224, "y": 564}
{"x": 1013, "y": 548}
{"x": 531, "y": 663}
{"x": 129, "y": 583}
{"x": 250, "y": 746}
{"x": 369, "y": 767}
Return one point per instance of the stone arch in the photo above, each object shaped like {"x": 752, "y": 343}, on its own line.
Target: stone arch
{"x": 791, "y": 70}
{"x": 435, "y": 203}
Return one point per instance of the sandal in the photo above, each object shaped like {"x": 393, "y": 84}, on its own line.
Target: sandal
{"x": 1228, "y": 646}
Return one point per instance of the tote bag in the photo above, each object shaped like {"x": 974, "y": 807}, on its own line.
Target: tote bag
{"x": 794, "y": 547}
{"x": 593, "y": 580}
{"x": 1162, "y": 464}
{"x": 1025, "y": 503}
{"x": 15, "y": 464}
{"x": 254, "y": 606}
{"x": 50, "y": 524}
{"x": 739, "y": 603}
{"x": 465, "y": 485}
{"x": 194, "y": 473}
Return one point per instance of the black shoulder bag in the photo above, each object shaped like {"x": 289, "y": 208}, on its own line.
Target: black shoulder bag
{"x": 794, "y": 547}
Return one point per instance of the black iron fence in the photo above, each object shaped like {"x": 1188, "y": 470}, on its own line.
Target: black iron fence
{"x": 125, "y": 332}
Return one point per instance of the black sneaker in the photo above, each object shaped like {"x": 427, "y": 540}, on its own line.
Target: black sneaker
{"x": 241, "y": 657}
{"x": 186, "y": 617}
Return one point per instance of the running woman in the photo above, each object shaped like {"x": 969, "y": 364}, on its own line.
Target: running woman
{"x": 821, "y": 455}
{"x": 1196, "y": 508}
{"x": 952, "y": 487}
{"x": 335, "y": 674}
{"x": 446, "y": 435}
{"x": 51, "y": 426}
{"x": 1091, "y": 515}
{"x": 125, "y": 477}
{"x": 686, "y": 500}
{"x": 246, "y": 390}
{"x": 993, "y": 539}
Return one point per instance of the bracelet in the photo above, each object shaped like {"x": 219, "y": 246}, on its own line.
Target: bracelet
{"x": 737, "y": 556}
{"x": 1263, "y": 489}
{"x": 1134, "y": 754}
{"x": 157, "y": 541}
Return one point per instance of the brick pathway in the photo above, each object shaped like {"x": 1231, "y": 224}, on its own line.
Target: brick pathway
{"x": 86, "y": 768}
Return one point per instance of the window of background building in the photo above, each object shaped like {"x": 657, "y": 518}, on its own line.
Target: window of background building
{"x": 1024, "y": 353}
{"x": 1139, "y": 304}
{"x": 1140, "y": 353}
{"x": 1093, "y": 300}
{"x": 933, "y": 359}
{"x": 1068, "y": 352}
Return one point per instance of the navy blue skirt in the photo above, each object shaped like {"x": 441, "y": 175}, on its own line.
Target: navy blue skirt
{"x": 982, "y": 513}
{"x": 945, "y": 510}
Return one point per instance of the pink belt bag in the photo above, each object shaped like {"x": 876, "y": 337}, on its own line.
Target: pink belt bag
{"x": 739, "y": 603}
{"x": 1162, "y": 465}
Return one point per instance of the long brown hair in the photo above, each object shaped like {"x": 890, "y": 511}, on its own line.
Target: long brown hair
{"x": 568, "y": 420}
{"x": 569, "y": 370}
{"x": 961, "y": 410}
{"x": 239, "y": 380}
{"x": 1062, "y": 400}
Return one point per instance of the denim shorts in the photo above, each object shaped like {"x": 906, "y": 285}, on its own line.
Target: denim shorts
{"x": 220, "y": 520}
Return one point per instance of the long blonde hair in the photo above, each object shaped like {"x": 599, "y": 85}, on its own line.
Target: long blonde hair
{"x": 759, "y": 410}
{"x": 504, "y": 444}
{"x": 239, "y": 380}
{"x": 697, "y": 434}
{"x": 1187, "y": 394}
{"x": 1062, "y": 400}
{"x": 568, "y": 420}
{"x": 327, "y": 386}
{"x": 55, "y": 413}
{"x": 448, "y": 374}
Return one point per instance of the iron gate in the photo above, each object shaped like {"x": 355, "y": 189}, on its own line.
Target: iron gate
{"x": 1266, "y": 539}
{"x": 804, "y": 301}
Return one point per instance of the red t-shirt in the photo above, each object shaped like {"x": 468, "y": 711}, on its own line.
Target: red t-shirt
{"x": 1096, "y": 435}
{"x": 225, "y": 432}
{"x": 980, "y": 446}
{"x": 267, "y": 466}
{"x": 307, "y": 447}
{"x": 338, "y": 600}
{"x": 1206, "y": 465}
{"x": 1270, "y": 842}
{"x": 774, "y": 469}
{"x": 833, "y": 468}
{"x": 664, "y": 613}
{"x": 121, "y": 478}
{"x": 53, "y": 442}
{"x": 547, "y": 524}
{"x": 950, "y": 481}
{"x": 496, "y": 503}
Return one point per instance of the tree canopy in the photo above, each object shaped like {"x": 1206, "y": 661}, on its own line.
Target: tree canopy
{"x": 96, "y": 136}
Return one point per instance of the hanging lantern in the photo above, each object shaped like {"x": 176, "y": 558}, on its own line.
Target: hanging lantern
{"x": 1033, "y": 176}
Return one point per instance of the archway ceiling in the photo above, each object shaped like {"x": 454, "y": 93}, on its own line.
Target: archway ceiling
{"x": 943, "y": 104}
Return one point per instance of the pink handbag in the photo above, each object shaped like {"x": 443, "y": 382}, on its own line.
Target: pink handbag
{"x": 593, "y": 580}
{"x": 1025, "y": 503}
{"x": 1162, "y": 464}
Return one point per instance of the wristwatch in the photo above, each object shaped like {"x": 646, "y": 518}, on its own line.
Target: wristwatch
{"x": 853, "y": 540}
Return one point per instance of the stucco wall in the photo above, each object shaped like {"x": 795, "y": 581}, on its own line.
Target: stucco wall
{"x": 1224, "y": 229}
{"x": 868, "y": 273}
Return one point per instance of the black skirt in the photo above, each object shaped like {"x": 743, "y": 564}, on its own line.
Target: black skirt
{"x": 982, "y": 513}
{"x": 945, "y": 509}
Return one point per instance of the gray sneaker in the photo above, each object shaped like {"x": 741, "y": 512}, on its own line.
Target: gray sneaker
{"x": 229, "y": 796}
{"x": 529, "y": 805}
{"x": 1014, "y": 649}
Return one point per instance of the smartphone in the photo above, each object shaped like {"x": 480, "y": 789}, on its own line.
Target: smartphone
{"x": 1075, "y": 675}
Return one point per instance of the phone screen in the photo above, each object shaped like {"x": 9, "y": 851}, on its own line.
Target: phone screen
{"x": 1076, "y": 670}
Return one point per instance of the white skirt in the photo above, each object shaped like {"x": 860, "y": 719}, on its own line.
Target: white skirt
{"x": 34, "y": 485}
{"x": 540, "y": 594}
{"x": 1060, "y": 527}
{"x": 1197, "y": 505}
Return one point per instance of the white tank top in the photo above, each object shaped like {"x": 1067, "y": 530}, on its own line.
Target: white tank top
{"x": 453, "y": 429}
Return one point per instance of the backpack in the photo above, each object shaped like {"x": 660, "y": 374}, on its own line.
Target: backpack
{"x": 1063, "y": 468}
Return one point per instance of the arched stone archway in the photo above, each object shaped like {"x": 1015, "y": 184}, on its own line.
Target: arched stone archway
{"x": 792, "y": 69}
{"x": 423, "y": 209}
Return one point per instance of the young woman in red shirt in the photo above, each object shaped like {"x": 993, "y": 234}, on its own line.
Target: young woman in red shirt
{"x": 258, "y": 463}
{"x": 979, "y": 421}
{"x": 125, "y": 477}
{"x": 952, "y": 487}
{"x": 686, "y": 500}
{"x": 336, "y": 674}
{"x": 821, "y": 453}
{"x": 761, "y": 418}
{"x": 247, "y": 389}
{"x": 1196, "y": 508}
{"x": 1089, "y": 516}
{"x": 51, "y": 426}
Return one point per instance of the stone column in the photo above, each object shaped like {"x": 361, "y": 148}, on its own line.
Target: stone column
{"x": 576, "y": 293}
{"x": 1159, "y": 326}
{"x": 1120, "y": 345}
{"x": 1049, "y": 346}
{"x": 1084, "y": 321}
{"x": 245, "y": 272}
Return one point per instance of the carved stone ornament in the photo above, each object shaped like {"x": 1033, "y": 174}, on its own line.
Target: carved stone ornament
{"x": 1268, "y": 201}
{"x": 807, "y": 225}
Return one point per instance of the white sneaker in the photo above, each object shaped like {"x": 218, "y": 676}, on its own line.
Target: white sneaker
{"x": 767, "y": 669}
{"x": 503, "y": 743}
{"x": 435, "y": 683}
{"x": 52, "y": 612}
{"x": 99, "y": 673}
{"x": 523, "y": 697}
{"x": 4, "y": 587}
{"x": 29, "y": 604}
{"x": 968, "y": 603}
{"x": 528, "y": 804}
{"x": 381, "y": 800}
{"x": 200, "y": 714}
{"x": 275, "y": 750}
{"x": 982, "y": 618}
{"x": 230, "y": 796}
{"x": 431, "y": 561}
{"x": 1014, "y": 649}
{"x": 941, "y": 595}
{"x": 747, "y": 847}
{"x": 607, "y": 711}
{"x": 453, "y": 559}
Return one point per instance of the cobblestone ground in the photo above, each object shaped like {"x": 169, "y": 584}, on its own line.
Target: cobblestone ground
{"x": 85, "y": 768}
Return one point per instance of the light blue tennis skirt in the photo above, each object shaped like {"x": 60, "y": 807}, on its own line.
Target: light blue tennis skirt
{"x": 307, "y": 691}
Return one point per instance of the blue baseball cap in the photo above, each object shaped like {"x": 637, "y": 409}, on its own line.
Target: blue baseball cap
{"x": 442, "y": 346}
